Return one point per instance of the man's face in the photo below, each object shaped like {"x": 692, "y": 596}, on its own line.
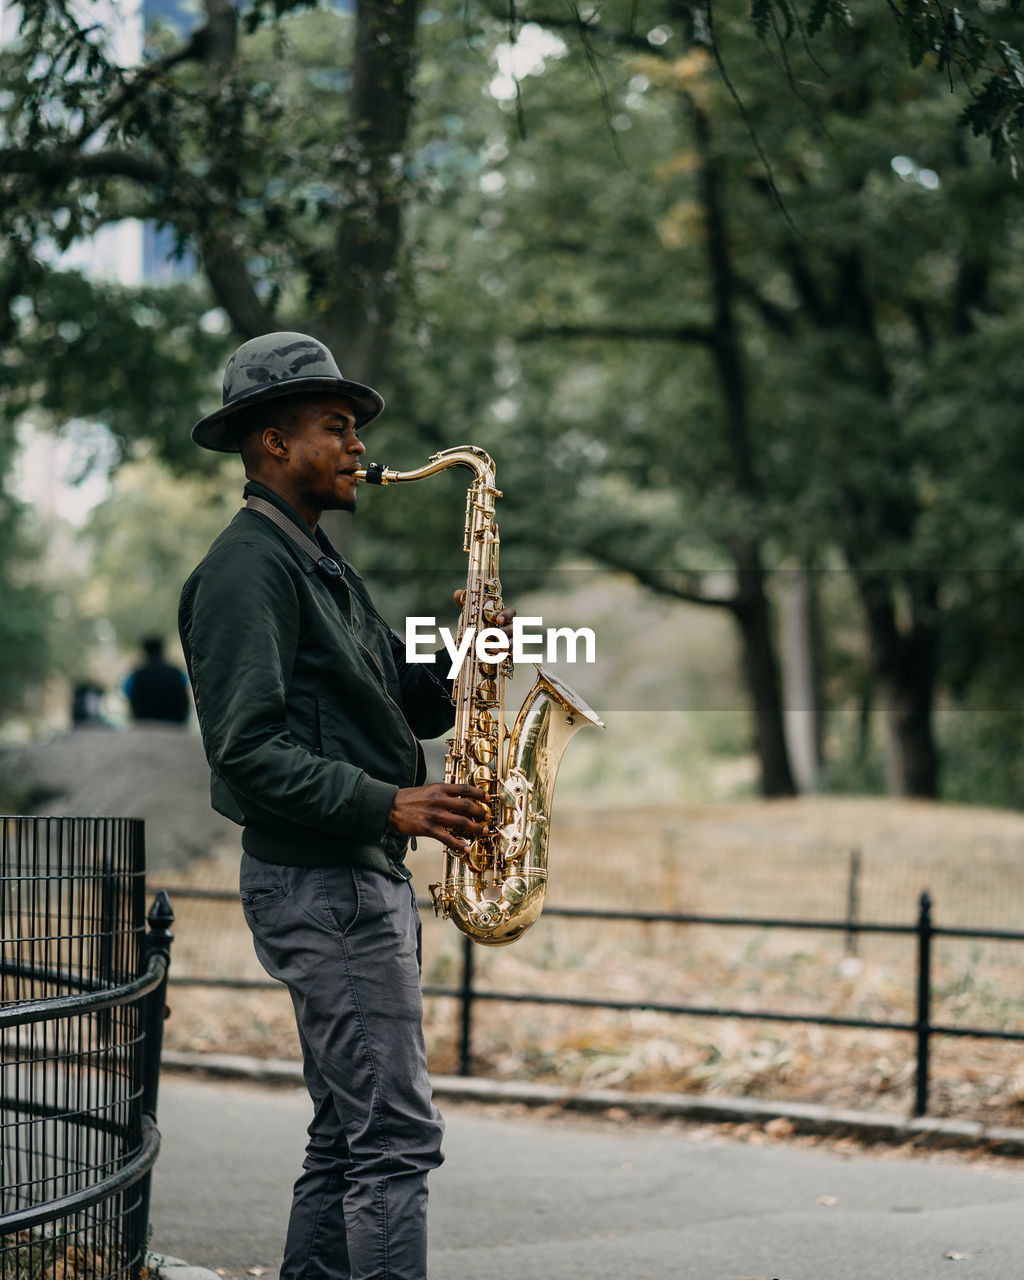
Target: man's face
{"x": 323, "y": 453}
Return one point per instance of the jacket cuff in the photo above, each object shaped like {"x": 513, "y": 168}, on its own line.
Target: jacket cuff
{"x": 373, "y": 801}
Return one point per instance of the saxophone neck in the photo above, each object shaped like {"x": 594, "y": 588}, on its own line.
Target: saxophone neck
{"x": 465, "y": 455}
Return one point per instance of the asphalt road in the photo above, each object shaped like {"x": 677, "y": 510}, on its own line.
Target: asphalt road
{"x": 544, "y": 1198}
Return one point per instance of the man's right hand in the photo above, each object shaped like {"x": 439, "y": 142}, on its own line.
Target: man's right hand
{"x": 444, "y": 811}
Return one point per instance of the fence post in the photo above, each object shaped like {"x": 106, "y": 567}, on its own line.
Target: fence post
{"x": 852, "y": 902}
{"x": 466, "y": 997}
{"x": 158, "y": 943}
{"x": 924, "y": 1000}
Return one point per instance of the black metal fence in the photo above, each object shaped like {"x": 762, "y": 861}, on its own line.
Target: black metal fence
{"x": 82, "y": 987}
{"x": 922, "y": 1028}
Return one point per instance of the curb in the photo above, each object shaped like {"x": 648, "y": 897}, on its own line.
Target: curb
{"x": 803, "y": 1117}
{"x": 169, "y": 1268}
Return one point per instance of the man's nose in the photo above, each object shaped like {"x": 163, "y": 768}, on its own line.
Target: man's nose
{"x": 357, "y": 446}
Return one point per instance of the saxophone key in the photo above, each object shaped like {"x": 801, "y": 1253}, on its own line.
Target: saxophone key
{"x": 487, "y": 915}
{"x": 482, "y": 776}
{"x": 514, "y": 890}
{"x": 478, "y": 857}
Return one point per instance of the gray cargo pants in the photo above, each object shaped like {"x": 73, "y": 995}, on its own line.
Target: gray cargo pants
{"x": 346, "y": 941}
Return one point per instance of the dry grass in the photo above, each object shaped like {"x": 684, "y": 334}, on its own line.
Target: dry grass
{"x": 34, "y": 1255}
{"x": 776, "y": 859}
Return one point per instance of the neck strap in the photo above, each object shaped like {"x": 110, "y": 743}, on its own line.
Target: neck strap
{"x": 333, "y": 570}
{"x": 312, "y": 548}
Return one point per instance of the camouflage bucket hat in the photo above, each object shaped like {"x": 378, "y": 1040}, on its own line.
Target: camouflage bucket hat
{"x": 278, "y": 364}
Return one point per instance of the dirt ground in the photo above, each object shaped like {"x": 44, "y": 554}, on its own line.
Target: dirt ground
{"x": 781, "y": 859}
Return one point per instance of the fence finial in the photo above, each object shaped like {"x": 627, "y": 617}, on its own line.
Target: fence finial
{"x": 160, "y": 919}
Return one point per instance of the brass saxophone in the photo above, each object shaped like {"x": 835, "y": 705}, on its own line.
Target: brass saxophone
{"x": 495, "y": 891}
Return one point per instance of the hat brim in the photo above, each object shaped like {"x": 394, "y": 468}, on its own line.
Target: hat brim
{"x": 218, "y": 430}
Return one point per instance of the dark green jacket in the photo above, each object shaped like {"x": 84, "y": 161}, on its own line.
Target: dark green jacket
{"x": 309, "y": 713}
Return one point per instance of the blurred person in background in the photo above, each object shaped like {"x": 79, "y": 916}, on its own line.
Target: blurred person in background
{"x": 87, "y": 705}
{"x": 157, "y": 690}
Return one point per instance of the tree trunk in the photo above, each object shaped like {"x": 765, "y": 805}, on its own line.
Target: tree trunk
{"x": 801, "y": 676}
{"x": 752, "y": 609}
{"x": 901, "y": 611}
{"x": 905, "y": 666}
{"x": 753, "y": 614}
{"x": 354, "y": 284}
{"x": 363, "y": 275}
{"x": 911, "y": 758}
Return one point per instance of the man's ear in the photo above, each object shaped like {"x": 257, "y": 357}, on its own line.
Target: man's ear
{"x": 275, "y": 442}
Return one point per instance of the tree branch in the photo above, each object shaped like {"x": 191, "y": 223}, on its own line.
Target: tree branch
{"x": 223, "y": 264}
{"x": 194, "y": 50}
{"x": 232, "y": 285}
{"x": 104, "y": 164}
{"x": 665, "y": 582}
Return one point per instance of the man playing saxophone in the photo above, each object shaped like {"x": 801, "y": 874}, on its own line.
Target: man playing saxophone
{"x": 310, "y": 717}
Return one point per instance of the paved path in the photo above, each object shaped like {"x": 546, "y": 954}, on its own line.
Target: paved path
{"x": 536, "y": 1198}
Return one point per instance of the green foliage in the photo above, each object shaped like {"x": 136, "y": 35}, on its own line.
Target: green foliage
{"x": 237, "y": 145}
{"x": 972, "y": 51}
{"x": 146, "y": 539}
{"x": 26, "y": 618}
{"x": 137, "y": 360}
{"x": 984, "y": 761}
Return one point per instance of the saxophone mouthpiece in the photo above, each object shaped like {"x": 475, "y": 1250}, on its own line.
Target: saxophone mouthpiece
{"x": 373, "y": 473}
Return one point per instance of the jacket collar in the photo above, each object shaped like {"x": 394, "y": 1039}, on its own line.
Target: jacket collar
{"x": 258, "y": 490}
